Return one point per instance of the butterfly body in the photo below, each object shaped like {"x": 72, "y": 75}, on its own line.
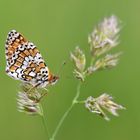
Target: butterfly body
{"x": 25, "y": 63}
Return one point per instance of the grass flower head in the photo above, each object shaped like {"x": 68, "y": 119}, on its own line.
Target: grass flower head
{"x": 105, "y": 36}
{"x": 104, "y": 101}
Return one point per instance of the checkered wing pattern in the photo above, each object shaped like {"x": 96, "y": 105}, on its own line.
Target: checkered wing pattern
{"x": 24, "y": 61}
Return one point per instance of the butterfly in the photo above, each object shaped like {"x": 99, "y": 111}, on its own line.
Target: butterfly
{"x": 25, "y": 63}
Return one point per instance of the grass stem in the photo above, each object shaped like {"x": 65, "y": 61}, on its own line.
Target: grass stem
{"x": 44, "y": 123}
{"x": 74, "y": 101}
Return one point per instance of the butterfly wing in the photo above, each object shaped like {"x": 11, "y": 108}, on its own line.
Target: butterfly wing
{"x": 24, "y": 61}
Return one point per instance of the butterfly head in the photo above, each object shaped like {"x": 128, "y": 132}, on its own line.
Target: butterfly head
{"x": 53, "y": 79}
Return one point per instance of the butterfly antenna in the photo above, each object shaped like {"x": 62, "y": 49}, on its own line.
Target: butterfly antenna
{"x": 60, "y": 69}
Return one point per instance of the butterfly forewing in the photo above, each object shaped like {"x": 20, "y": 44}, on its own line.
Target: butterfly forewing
{"x": 24, "y": 61}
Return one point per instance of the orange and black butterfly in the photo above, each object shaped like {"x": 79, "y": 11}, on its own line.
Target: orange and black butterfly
{"x": 25, "y": 63}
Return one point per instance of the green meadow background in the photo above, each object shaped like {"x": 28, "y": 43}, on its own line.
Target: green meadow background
{"x": 56, "y": 27}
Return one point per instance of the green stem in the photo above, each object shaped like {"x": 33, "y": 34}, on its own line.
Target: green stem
{"x": 80, "y": 102}
{"x": 77, "y": 93}
{"x": 61, "y": 122}
{"x": 74, "y": 101}
{"x": 44, "y": 123}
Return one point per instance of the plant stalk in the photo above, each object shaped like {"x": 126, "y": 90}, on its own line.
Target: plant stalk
{"x": 44, "y": 123}
{"x": 74, "y": 101}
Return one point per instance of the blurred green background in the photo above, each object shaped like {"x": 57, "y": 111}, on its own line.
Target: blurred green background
{"x": 56, "y": 27}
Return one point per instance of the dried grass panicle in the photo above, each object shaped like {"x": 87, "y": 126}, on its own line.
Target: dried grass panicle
{"x": 105, "y": 36}
{"x": 101, "y": 103}
{"x": 28, "y": 99}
